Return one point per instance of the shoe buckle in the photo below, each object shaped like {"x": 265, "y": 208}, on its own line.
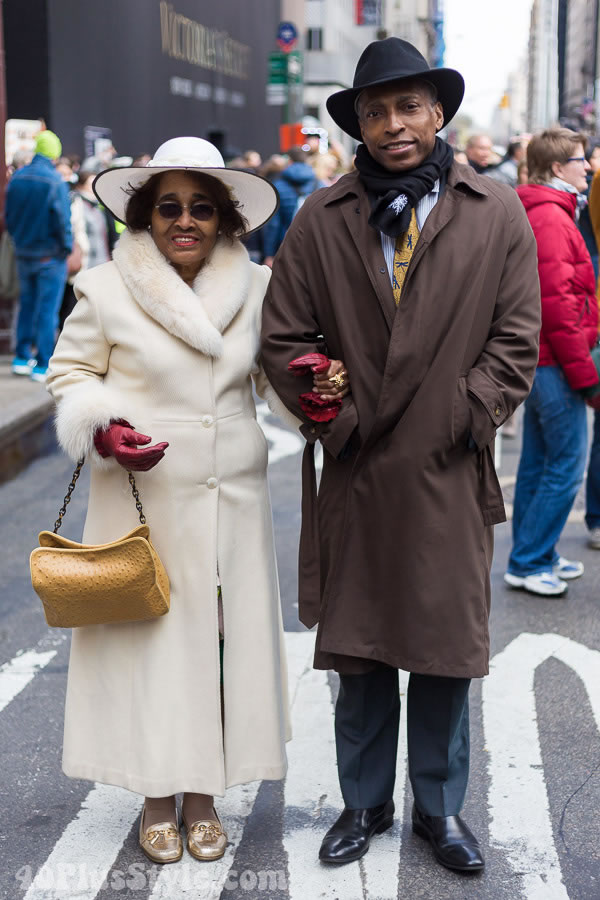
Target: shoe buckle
{"x": 163, "y": 834}
{"x": 207, "y": 832}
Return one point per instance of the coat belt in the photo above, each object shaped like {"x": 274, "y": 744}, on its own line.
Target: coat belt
{"x": 309, "y": 566}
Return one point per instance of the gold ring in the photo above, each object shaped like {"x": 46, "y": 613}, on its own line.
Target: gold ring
{"x": 338, "y": 380}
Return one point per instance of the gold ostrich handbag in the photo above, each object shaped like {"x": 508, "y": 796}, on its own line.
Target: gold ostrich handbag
{"x": 86, "y": 584}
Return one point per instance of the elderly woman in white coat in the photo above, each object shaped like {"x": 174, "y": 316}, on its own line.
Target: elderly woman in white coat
{"x": 163, "y": 346}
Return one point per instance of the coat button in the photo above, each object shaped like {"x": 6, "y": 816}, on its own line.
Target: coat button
{"x": 207, "y": 421}
{"x": 212, "y": 483}
{"x": 382, "y": 270}
{"x": 313, "y": 430}
{"x": 497, "y": 411}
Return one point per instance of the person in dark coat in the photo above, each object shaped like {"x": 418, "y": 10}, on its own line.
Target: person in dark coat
{"x": 421, "y": 276}
{"x": 294, "y": 185}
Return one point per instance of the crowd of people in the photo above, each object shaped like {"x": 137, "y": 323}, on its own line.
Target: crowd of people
{"x": 72, "y": 232}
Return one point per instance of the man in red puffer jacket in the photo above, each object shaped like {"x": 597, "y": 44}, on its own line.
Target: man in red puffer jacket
{"x": 554, "y": 449}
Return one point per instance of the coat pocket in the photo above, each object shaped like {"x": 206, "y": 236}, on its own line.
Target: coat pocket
{"x": 491, "y": 500}
{"x": 461, "y": 414}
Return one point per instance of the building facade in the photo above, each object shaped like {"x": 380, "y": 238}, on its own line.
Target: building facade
{"x": 542, "y": 88}
{"x": 419, "y": 21}
{"x": 147, "y": 69}
{"x": 578, "y": 68}
{"x": 333, "y": 43}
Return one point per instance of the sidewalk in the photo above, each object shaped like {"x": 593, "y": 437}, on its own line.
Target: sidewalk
{"x": 26, "y": 410}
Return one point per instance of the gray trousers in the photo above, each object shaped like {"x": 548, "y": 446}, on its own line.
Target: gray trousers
{"x": 367, "y": 717}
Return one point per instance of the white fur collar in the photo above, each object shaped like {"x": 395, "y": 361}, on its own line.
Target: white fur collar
{"x": 197, "y": 315}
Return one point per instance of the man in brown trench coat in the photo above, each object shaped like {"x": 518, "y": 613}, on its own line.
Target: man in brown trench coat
{"x": 421, "y": 276}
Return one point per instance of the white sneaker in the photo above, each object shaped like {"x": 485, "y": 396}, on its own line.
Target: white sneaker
{"x": 21, "y": 366}
{"x": 594, "y": 538}
{"x": 568, "y": 569}
{"x": 545, "y": 584}
{"x": 513, "y": 581}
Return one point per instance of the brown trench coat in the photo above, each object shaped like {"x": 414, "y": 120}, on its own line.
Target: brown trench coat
{"x": 395, "y": 555}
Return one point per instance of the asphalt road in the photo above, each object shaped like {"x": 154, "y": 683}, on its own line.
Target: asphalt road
{"x": 534, "y": 796}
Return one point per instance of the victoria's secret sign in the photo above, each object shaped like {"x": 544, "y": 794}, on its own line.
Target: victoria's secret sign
{"x": 187, "y": 40}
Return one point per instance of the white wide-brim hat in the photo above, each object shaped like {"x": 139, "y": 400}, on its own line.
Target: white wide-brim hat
{"x": 257, "y": 198}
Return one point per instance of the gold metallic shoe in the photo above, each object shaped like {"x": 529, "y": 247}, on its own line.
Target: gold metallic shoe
{"x": 162, "y": 842}
{"x": 206, "y": 839}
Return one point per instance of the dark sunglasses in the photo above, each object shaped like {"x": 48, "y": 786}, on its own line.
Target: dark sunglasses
{"x": 170, "y": 209}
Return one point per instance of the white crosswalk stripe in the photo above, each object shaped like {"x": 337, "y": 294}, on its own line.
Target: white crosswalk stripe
{"x": 16, "y": 674}
{"x": 88, "y": 847}
{"x": 515, "y": 759}
{"x": 519, "y": 816}
{"x": 313, "y": 800}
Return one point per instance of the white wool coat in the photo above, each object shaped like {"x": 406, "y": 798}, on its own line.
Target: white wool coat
{"x": 143, "y": 706}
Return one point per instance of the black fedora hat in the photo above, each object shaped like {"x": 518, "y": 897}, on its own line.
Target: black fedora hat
{"x": 391, "y": 60}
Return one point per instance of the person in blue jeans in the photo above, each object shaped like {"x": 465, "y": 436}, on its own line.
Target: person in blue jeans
{"x": 550, "y": 474}
{"x": 38, "y": 218}
{"x": 554, "y": 451}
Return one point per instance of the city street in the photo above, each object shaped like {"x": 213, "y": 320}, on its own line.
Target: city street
{"x": 535, "y": 735}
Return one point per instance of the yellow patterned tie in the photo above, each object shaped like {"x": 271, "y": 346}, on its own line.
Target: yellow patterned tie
{"x": 405, "y": 245}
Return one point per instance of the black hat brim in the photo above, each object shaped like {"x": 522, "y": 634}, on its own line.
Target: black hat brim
{"x": 449, "y": 84}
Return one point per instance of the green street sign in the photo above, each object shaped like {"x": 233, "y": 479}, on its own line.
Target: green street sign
{"x": 295, "y": 67}
{"x": 278, "y": 68}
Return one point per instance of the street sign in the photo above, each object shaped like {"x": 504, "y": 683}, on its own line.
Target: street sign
{"x": 287, "y": 36}
{"x": 278, "y": 63}
{"x": 286, "y": 76}
{"x": 277, "y": 94}
{"x": 294, "y": 67}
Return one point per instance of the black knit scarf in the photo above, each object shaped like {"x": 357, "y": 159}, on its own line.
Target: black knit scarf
{"x": 394, "y": 194}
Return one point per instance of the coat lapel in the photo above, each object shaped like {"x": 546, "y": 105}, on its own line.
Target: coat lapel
{"x": 197, "y": 315}
{"x": 370, "y": 251}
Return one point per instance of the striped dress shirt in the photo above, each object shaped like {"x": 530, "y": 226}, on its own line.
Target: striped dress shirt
{"x": 422, "y": 210}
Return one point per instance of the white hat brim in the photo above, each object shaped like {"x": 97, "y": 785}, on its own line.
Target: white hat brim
{"x": 257, "y": 198}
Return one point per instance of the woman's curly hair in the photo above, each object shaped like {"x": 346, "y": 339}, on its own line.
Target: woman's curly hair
{"x": 138, "y": 213}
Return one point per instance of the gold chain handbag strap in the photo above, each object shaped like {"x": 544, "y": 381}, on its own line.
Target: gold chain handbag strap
{"x": 73, "y": 482}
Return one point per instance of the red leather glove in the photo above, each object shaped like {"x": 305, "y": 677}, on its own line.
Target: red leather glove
{"x": 317, "y": 409}
{"x": 311, "y": 403}
{"x": 310, "y": 362}
{"x": 120, "y": 440}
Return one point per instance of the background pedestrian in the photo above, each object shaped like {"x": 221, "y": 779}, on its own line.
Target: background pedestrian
{"x": 38, "y": 218}
{"x": 554, "y": 447}
{"x": 294, "y": 184}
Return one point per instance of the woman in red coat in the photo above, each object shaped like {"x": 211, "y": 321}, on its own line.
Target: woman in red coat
{"x": 555, "y": 429}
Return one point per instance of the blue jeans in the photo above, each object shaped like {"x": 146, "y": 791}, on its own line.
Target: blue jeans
{"x": 592, "y": 492}
{"x": 42, "y": 284}
{"x": 550, "y": 471}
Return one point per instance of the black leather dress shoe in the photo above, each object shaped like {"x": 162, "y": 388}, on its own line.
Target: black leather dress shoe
{"x": 351, "y": 835}
{"x": 454, "y": 845}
